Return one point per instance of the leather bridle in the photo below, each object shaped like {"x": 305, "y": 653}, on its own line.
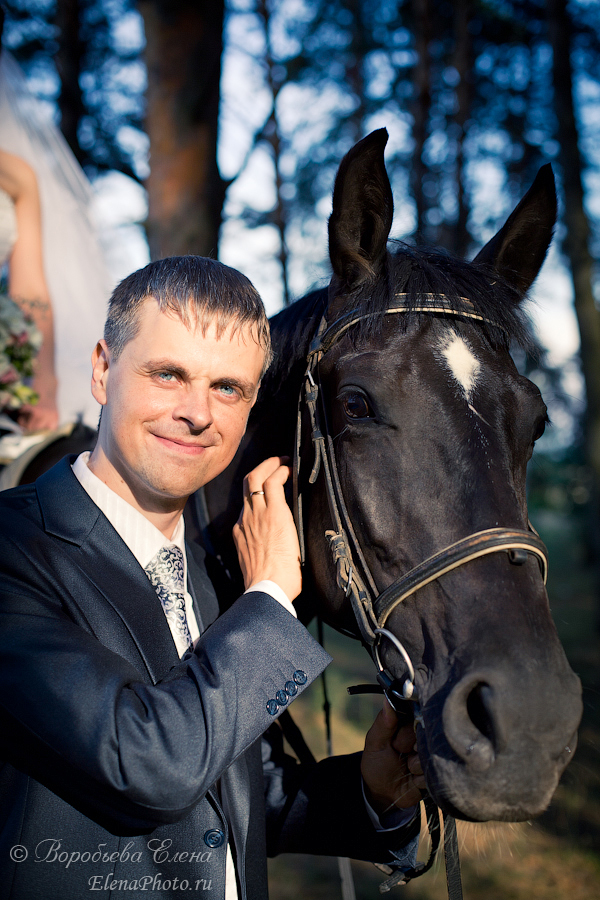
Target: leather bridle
{"x": 370, "y": 606}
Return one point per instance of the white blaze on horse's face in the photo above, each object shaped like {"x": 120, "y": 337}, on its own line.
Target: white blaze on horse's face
{"x": 462, "y": 362}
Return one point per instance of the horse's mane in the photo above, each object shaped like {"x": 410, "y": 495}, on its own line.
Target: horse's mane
{"x": 412, "y": 272}
{"x": 291, "y": 333}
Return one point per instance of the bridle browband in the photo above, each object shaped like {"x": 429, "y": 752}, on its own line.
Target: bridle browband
{"x": 371, "y": 607}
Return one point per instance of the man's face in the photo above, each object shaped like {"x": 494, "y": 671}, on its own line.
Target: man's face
{"x": 176, "y": 403}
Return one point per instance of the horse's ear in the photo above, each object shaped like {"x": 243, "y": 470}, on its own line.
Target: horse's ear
{"x": 519, "y": 249}
{"x": 363, "y": 209}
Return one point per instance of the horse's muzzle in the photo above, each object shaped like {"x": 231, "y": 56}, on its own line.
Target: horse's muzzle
{"x": 497, "y": 751}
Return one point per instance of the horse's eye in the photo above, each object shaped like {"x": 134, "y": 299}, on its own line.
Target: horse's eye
{"x": 356, "y": 406}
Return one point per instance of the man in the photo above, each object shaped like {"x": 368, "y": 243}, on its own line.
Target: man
{"x": 130, "y": 715}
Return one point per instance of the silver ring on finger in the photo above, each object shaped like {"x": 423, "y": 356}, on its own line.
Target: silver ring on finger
{"x": 254, "y": 493}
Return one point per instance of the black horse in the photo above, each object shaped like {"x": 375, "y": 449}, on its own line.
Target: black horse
{"x": 414, "y": 436}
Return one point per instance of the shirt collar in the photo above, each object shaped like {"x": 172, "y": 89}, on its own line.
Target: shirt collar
{"x": 142, "y": 537}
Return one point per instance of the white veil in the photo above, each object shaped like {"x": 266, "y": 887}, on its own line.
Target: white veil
{"x": 76, "y": 274}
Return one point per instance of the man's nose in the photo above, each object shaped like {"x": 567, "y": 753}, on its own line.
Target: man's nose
{"x": 193, "y": 407}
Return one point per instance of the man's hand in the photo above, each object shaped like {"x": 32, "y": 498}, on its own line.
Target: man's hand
{"x": 390, "y": 767}
{"x": 265, "y": 534}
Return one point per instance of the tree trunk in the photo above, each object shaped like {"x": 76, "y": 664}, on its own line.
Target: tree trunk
{"x": 577, "y": 243}
{"x": 423, "y": 15}
{"x": 272, "y": 134}
{"x": 184, "y": 42}
{"x": 355, "y": 72}
{"x": 464, "y": 94}
{"x": 68, "y": 63}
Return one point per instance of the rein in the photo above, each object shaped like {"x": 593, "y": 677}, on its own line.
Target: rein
{"x": 370, "y": 606}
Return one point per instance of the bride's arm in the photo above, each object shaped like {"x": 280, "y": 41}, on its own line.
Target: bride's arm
{"x": 27, "y": 285}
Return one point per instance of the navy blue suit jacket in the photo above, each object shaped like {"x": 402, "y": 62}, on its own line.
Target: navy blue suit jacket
{"x": 112, "y": 746}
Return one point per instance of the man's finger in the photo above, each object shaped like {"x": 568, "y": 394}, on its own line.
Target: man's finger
{"x": 274, "y": 483}
{"x": 255, "y": 480}
{"x": 414, "y": 765}
{"x": 382, "y": 730}
{"x": 405, "y": 739}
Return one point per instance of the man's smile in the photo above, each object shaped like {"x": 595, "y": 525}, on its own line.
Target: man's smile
{"x": 185, "y": 445}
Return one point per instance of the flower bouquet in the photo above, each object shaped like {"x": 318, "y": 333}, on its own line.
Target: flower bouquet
{"x": 20, "y": 341}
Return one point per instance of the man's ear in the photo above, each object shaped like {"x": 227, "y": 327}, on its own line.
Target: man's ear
{"x": 100, "y": 367}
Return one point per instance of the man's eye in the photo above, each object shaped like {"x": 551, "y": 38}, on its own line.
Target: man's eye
{"x": 166, "y": 376}
{"x": 227, "y": 390}
{"x": 356, "y": 406}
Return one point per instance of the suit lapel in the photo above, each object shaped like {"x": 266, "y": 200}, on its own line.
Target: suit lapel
{"x": 108, "y": 564}
{"x": 125, "y": 586}
{"x": 206, "y": 605}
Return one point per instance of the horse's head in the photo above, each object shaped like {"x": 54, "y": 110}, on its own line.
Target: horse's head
{"x": 431, "y": 429}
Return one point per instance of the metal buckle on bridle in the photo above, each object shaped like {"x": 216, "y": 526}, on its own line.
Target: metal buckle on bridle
{"x": 391, "y": 686}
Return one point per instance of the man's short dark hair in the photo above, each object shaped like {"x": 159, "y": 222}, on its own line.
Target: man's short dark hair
{"x": 195, "y": 288}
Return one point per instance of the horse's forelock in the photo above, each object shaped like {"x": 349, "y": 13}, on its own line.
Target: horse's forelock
{"x": 415, "y": 272}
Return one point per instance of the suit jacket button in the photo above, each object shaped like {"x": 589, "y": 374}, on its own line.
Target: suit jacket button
{"x": 300, "y": 677}
{"x": 281, "y": 697}
{"x": 272, "y": 707}
{"x": 214, "y": 838}
{"x": 290, "y": 688}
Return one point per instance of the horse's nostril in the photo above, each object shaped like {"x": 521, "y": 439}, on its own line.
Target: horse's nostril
{"x": 469, "y": 724}
{"x": 479, "y": 710}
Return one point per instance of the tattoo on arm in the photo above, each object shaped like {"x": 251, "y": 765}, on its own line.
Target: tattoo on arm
{"x": 33, "y": 305}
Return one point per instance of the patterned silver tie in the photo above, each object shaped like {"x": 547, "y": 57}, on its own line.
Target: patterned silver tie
{"x": 165, "y": 572}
